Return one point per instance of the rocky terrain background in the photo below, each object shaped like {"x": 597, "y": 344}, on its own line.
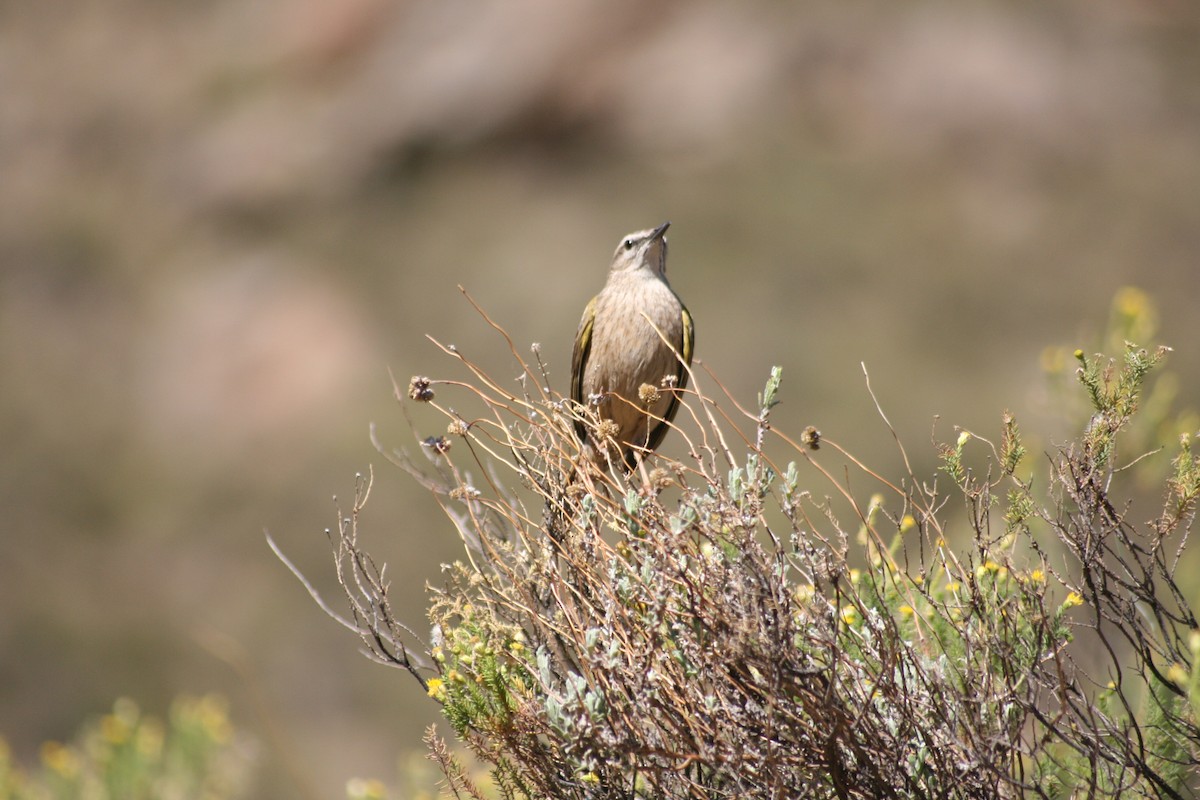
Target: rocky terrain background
{"x": 223, "y": 223}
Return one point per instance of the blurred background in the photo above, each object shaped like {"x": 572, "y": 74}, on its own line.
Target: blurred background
{"x": 223, "y": 223}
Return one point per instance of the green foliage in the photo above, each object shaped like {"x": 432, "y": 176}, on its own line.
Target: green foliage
{"x": 1184, "y": 484}
{"x": 1151, "y": 393}
{"x": 768, "y": 397}
{"x": 952, "y": 459}
{"x": 485, "y": 669}
{"x": 1114, "y": 391}
{"x": 126, "y": 755}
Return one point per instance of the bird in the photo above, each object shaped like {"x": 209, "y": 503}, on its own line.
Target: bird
{"x": 635, "y": 332}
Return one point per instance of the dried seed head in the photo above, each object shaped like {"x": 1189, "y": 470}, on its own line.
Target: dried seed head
{"x": 438, "y": 444}
{"x": 648, "y": 395}
{"x": 464, "y": 493}
{"x": 660, "y": 478}
{"x": 607, "y": 429}
{"x": 811, "y": 438}
{"x": 418, "y": 389}
{"x": 457, "y": 428}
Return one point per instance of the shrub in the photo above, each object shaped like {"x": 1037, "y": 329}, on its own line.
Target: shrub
{"x": 126, "y": 755}
{"x": 739, "y": 623}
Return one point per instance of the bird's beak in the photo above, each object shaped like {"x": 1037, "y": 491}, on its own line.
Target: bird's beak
{"x": 659, "y": 231}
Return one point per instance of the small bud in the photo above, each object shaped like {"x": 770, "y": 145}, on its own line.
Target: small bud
{"x": 418, "y": 389}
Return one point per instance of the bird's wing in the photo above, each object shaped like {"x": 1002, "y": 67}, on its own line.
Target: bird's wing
{"x": 579, "y": 357}
{"x": 687, "y": 347}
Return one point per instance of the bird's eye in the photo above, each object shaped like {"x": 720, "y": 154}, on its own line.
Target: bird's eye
{"x": 628, "y": 244}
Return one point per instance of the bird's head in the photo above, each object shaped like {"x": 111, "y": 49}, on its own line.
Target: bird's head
{"x": 643, "y": 250}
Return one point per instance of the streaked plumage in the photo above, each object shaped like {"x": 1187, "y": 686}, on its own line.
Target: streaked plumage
{"x": 617, "y": 349}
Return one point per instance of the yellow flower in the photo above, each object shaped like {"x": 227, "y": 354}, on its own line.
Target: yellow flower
{"x": 359, "y": 789}
{"x": 953, "y": 586}
{"x": 1073, "y": 599}
{"x": 436, "y": 689}
{"x": 906, "y": 610}
{"x": 1053, "y": 360}
{"x": 849, "y": 615}
{"x": 1038, "y": 576}
{"x": 60, "y": 758}
{"x": 114, "y": 730}
{"x": 908, "y": 523}
{"x": 212, "y": 712}
{"x": 1131, "y": 301}
{"x": 1177, "y": 675}
{"x": 989, "y": 566}
{"x": 150, "y": 738}
{"x": 590, "y": 777}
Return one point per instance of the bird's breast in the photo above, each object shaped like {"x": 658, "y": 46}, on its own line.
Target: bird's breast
{"x": 627, "y": 350}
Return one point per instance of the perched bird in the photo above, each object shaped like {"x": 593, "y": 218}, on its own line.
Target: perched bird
{"x": 618, "y": 350}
